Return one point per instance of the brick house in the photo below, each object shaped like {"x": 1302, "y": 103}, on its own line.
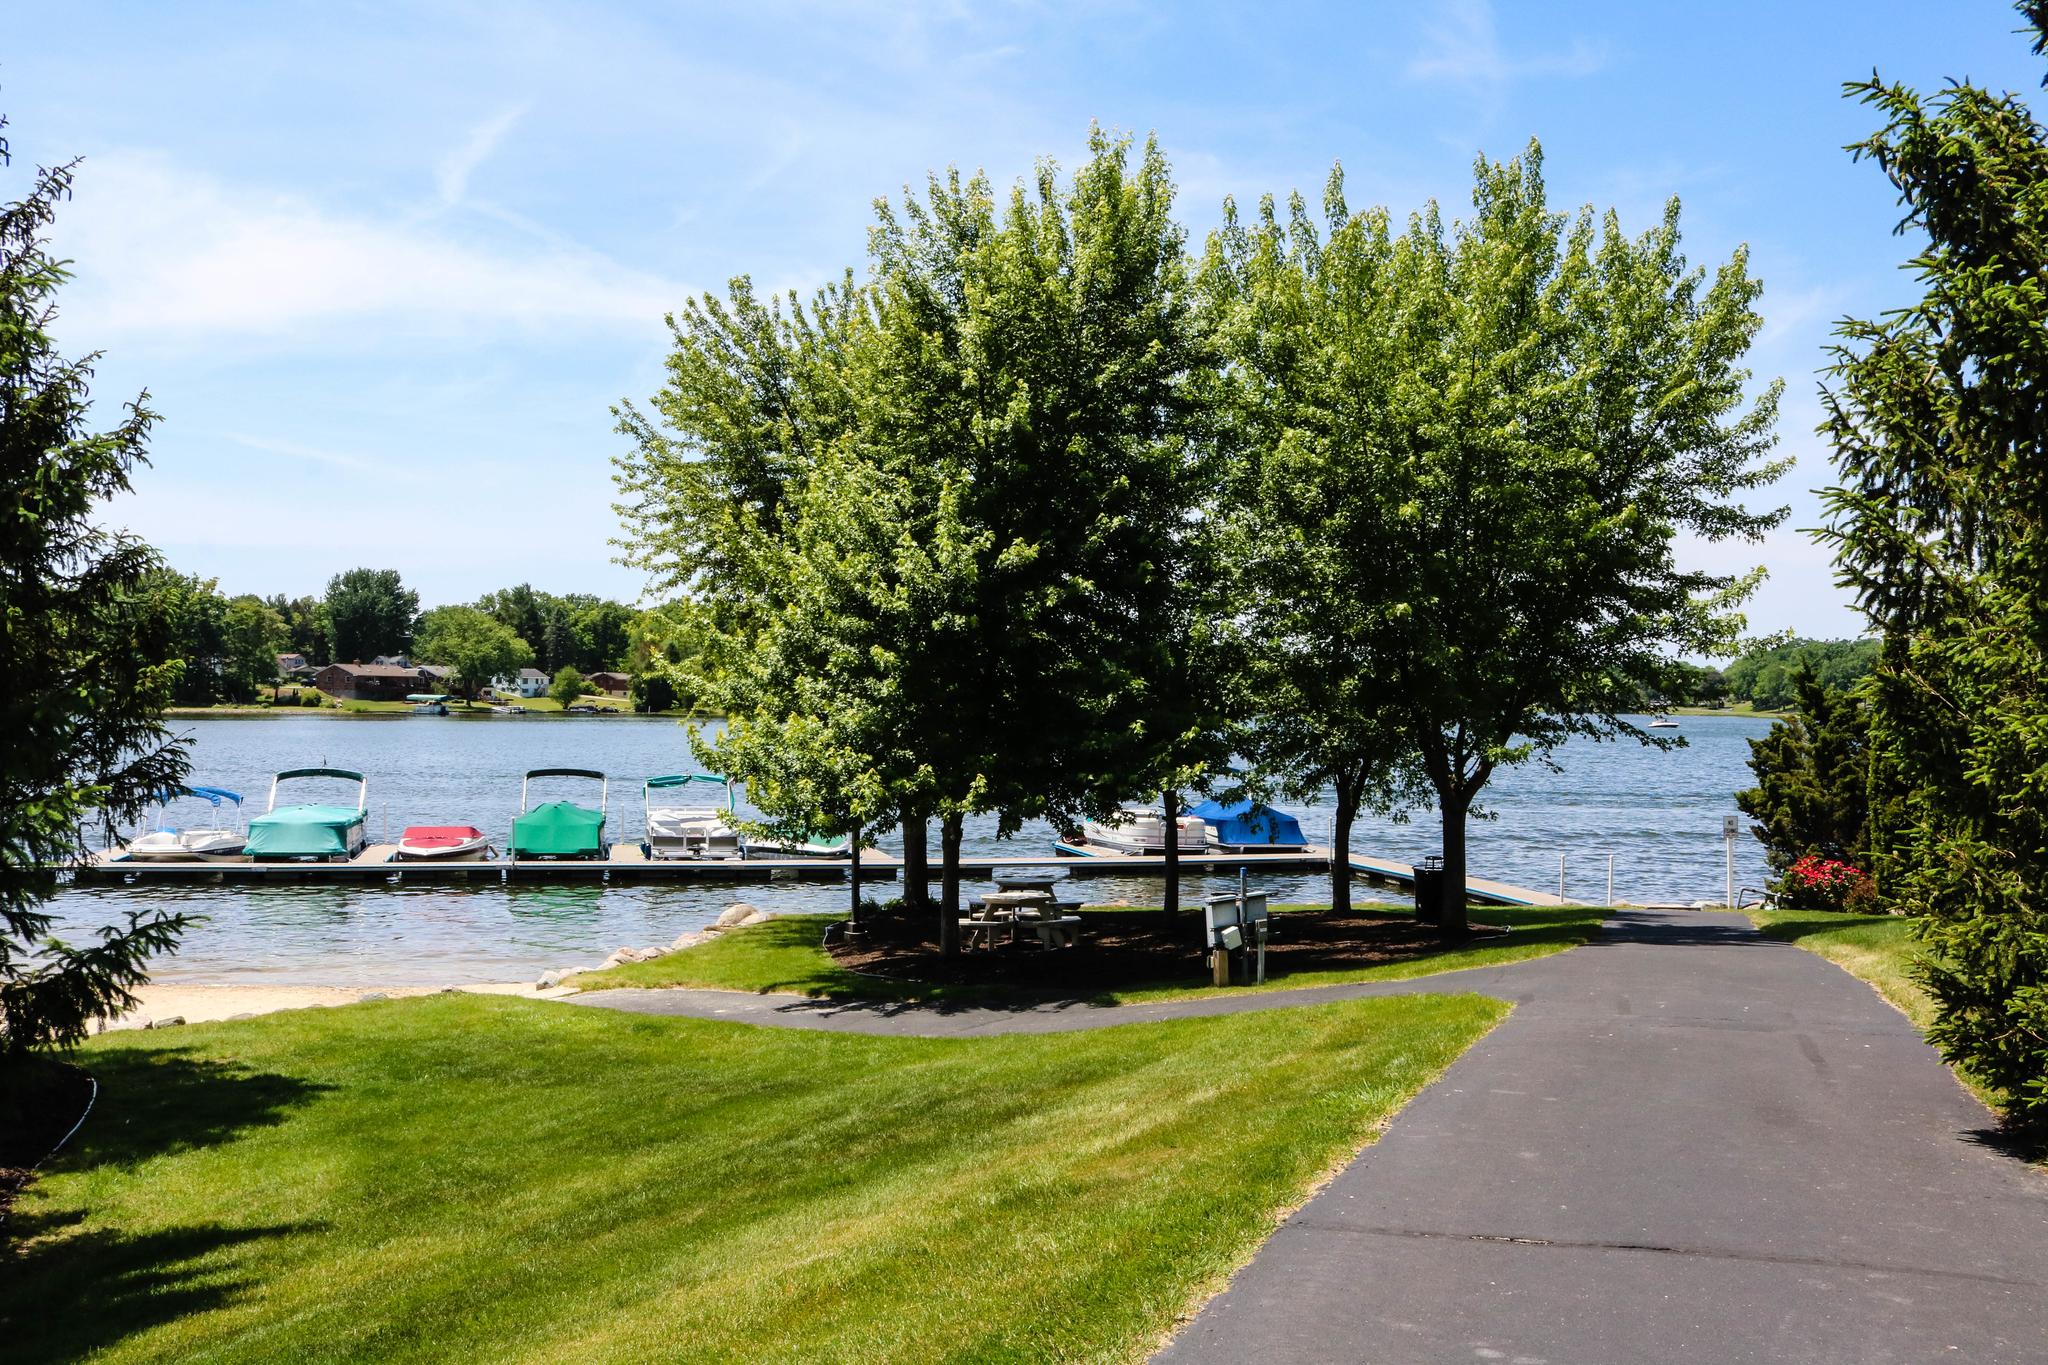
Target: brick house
{"x": 370, "y": 682}
{"x": 612, "y": 684}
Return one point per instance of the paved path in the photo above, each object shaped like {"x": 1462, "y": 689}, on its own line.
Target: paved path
{"x": 1688, "y": 1142}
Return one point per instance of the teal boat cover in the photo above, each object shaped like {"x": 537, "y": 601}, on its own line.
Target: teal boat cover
{"x": 559, "y": 829}
{"x": 304, "y": 832}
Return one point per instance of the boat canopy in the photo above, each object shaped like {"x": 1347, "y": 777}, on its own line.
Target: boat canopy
{"x": 211, "y": 795}
{"x": 304, "y": 832}
{"x": 429, "y": 698}
{"x": 362, "y": 783}
{"x": 655, "y": 784}
{"x": 559, "y": 829}
{"x": 1248, "y": 822}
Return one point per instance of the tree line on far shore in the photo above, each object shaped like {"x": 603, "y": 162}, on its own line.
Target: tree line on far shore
{"x": 227, "y": 647}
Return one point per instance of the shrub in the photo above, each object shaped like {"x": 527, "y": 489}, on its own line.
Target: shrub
{"x": 311, "y": 697}
{"x": 1817, "y": 883}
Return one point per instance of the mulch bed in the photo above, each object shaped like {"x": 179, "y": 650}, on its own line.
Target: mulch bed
{"x": 1131, "y": 948}
{"x": 40, "y": 1100}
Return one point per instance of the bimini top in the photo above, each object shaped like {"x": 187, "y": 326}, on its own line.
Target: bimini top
{"x": 1249, "y": 823}
{"x": 212, "y": 795}
{"x": 362, "y": 783}
{"x": 655, "y": 784}
{"x": 429, "y": 698}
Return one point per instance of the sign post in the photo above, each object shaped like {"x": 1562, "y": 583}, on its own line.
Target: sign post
{"x": 1730, "y": 827}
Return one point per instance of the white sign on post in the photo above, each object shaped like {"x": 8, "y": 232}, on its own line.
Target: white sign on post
{"x": 1730, "y": 827}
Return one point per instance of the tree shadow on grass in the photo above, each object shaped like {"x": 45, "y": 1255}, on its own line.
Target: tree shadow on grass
{"x": 68, "y": 1289}
{"x": 66, "y": 1293}
{"x": 161, "y": 1101}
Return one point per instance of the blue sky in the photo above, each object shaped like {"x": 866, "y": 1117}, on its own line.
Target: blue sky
{"x": 385, "y": 269}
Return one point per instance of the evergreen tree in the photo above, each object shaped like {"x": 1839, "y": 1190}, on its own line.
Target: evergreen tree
{"x": 1939, "y": 417}
{"x": 82, "y": 741}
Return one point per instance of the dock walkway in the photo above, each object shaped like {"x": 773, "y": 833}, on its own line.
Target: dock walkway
{"x": 629, "y": 862}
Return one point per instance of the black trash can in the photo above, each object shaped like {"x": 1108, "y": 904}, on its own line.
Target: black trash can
{"x": 1429, "y": 890}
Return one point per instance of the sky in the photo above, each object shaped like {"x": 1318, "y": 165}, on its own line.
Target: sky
{"x": 385, "y": 270}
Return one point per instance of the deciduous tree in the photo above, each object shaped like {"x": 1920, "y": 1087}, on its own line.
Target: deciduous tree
{"x": 472, "y": 643}
{"x": 369, "y": 612}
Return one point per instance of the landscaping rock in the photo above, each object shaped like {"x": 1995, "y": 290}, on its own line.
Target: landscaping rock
{"x": 736, "y": 913}
{"x": 759, "y": 917}
{"x": 548, "y": 979}
{"x": 617, "y": 959}
{"x": 689, "y": 940}
{"x": 651, "y": 952}
{"x": 171, "y": 1022}
{"x": 372, "y": 995}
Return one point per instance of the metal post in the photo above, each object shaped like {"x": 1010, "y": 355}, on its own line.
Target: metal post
{"x": 1610, "y": 879}
{"x": 1560, "y": 876}
{"x": 1729, "y": 826}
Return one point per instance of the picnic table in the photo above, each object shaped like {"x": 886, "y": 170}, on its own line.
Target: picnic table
{"x": 1023, "y": 910}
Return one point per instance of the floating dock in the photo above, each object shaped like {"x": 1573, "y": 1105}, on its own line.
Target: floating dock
{"x": 630, "y": 863}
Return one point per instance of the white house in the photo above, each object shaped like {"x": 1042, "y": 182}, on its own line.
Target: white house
{"x": 527, "y": 682}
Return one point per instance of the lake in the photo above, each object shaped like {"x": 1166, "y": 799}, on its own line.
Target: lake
{"x": 1658, "y": 813}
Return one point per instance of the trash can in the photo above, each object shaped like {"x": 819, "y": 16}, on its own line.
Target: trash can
{"x": 1429, "y": 890}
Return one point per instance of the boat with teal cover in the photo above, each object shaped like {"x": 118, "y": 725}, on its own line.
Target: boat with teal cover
{"x": 323, "y": 833}
{"x": 560, "y": 829}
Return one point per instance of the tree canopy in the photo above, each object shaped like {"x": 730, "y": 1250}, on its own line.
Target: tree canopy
{"x": 1471, "y": 449}
{"x": 475, "y": 645}
{"x": 369, "y": 612}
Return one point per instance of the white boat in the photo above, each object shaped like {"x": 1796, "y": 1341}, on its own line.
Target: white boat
{"x": 690, "y": 831}
{"x": 166, "y": 845}
{"x": 443, "y": 843}
{"x": 430, "y": 703}
{"x": 1139, "y": 829}
{"x": 1663, "y": 723}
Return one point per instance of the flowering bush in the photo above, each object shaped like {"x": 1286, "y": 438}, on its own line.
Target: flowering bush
{"x": 1817, "y": 883}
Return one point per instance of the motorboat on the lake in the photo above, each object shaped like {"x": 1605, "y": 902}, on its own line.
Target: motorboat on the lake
{"x": 690, "y": 831}
{"x": 443, "y": 843}
{"x": 561, "y": 829}
{"x": 430, "y": 703}
{"x": 1250, "y": 827}
{"x": 165, "y": 844}
{"x": 311, "y": 832}
{"x": 1663, "y": 723}
{"x": 1140, "y": 829}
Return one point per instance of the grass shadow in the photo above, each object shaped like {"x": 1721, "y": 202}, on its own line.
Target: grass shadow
{"x": 66, "y": 1294}
{"x": 158, "y": 1101}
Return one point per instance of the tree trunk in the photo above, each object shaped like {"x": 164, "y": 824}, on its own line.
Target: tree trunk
{"x": 1170, "y": 803}
{"x": 949, "y": 886}
{"x": 1340, "y": 848}
{"x": 1453, "y": 924}
{"x": 853, "y": 878}
{"x": 917, "y": 886}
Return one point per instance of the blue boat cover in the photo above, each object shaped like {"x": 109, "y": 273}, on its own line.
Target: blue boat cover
{"x": 1246, "y": 822}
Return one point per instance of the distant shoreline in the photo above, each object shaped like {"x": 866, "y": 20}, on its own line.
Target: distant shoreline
{"x": 345, "y": 713}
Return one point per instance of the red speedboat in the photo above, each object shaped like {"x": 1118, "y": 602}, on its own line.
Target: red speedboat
{"x": 443, "y": 843}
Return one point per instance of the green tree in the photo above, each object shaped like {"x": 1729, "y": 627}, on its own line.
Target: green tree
{"x": 568, "y": 686}
{"x": 1822, "y": 789}
{"x": 604, "y": 633}
{"x": 472, "y": 643}
{"x": 369, "y": 612}
{"x": 305, "y": 623}
{"x": 519, "y": 611}
{"x": 82, "y": 741}
{"x": 1938, "y": 413}
{"x": 193, "y": 618}
{"x": 253, "y": 635}
{"x": 1766, "y": 673}
{"x": 1506, "y": 424}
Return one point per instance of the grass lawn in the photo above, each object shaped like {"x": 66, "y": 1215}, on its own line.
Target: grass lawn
{"x": 787, "y": 955}
{"x": 460, "y": 1176}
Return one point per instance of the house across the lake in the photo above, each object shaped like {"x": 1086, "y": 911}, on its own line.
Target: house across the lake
{"x": 369, "y": 682}
{"x": 294, "y": 666}
{"x": 527, "y": 682}
{"x": 612, "y": 684}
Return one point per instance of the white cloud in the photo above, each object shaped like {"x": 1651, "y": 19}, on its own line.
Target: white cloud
{"x": 451, "y": 178}
{"x": 161, "y": 249}
{"x": 1462, "y": 47}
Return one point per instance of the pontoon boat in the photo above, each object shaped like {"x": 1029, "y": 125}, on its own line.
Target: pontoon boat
{"x": 322, "y": 833}
{"x": 561, "y": 829}
{"x": 1140, "y": 829}
{"x": 690, "y": 831}
{"x": 430, "y": 703}
{"x": 165, "y": 845}
{"x": 1249, "y": 827}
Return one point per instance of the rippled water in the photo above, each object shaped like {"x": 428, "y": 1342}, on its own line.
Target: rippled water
{"x": 1658, "y": 813}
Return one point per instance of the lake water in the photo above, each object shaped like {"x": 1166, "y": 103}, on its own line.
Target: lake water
{"x": 1658, "y": 813}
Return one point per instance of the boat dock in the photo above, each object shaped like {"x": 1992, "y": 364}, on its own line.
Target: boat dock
{"x": 630, "y": 863}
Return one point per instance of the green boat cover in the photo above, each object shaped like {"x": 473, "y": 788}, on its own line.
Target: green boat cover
{"x": 559, "y": 829}
{"x": 304, "y": 832}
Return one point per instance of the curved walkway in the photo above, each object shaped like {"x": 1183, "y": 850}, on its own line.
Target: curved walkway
{"x": 1688, "y": 1142}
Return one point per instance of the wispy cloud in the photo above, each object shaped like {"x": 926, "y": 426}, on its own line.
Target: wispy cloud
{"x": 165, "y": 250}
{"x": 452, "y": 176}
{"x": 1462, "y": 46}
